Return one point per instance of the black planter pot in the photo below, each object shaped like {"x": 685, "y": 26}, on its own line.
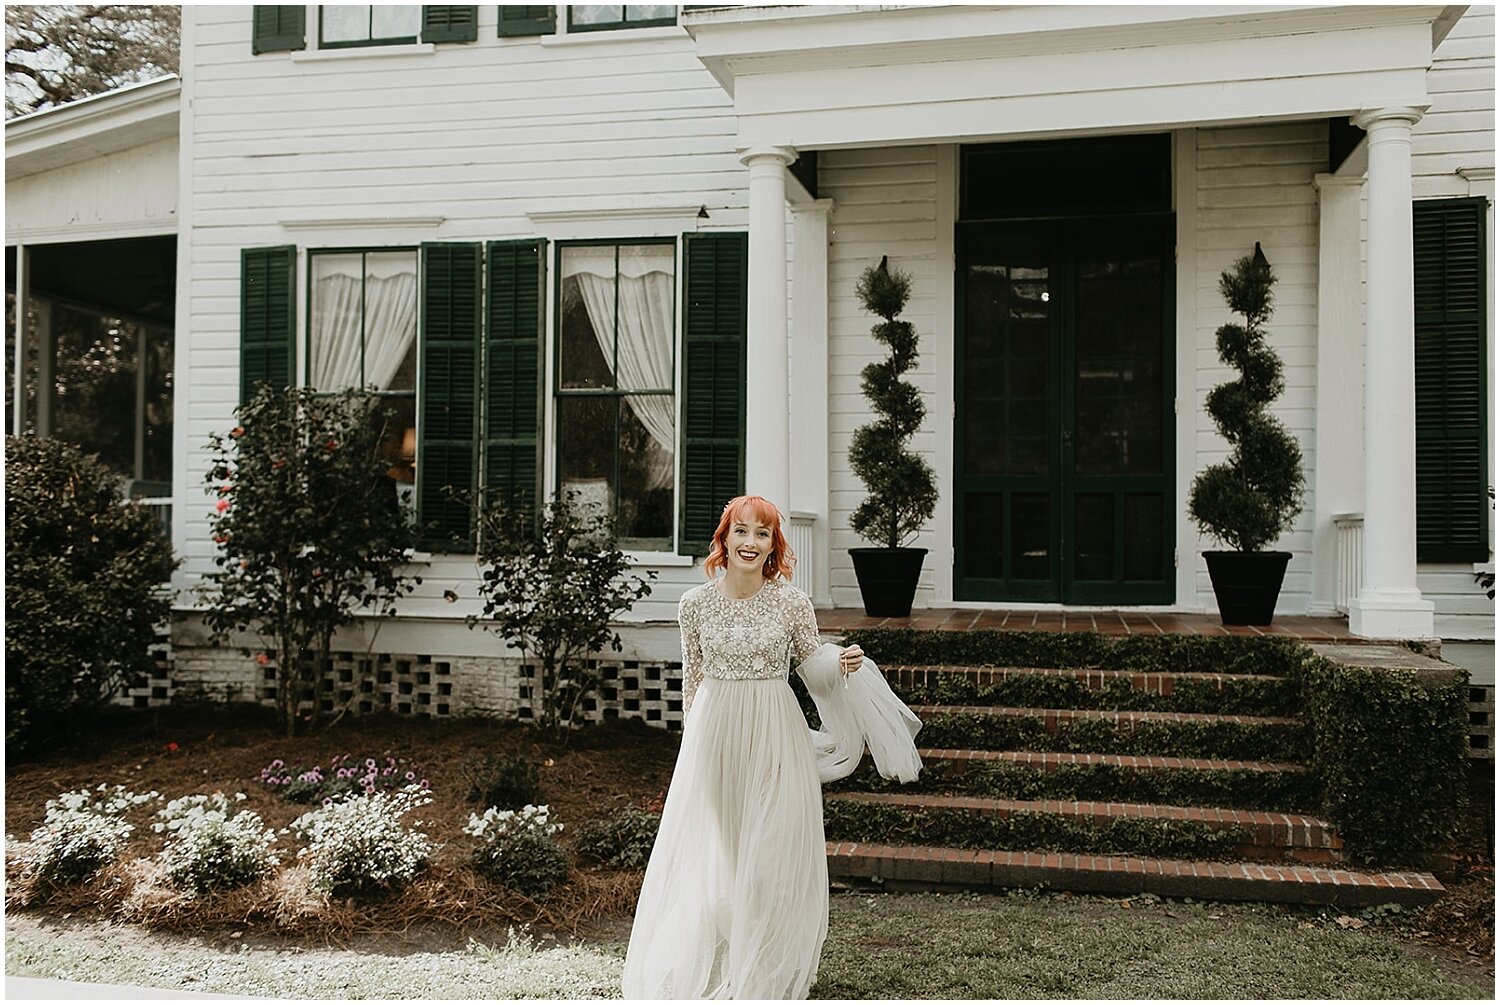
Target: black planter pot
{"x": 887, "y": 579}
{"x": 1246, "y": 584}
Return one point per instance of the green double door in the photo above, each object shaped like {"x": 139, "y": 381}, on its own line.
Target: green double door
{"x": 1064, "y": 411}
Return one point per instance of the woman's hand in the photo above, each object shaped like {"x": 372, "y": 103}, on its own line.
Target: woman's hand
{"x": 850, "y": 659}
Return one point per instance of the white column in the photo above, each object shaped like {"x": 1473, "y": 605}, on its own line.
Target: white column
{"x": 1338, "y": 474}
{"x": 809, "y": 386}
{"x": 23, "y": 334}
{"x": 1389, "y": 604}
{"x": 767, "y": 392}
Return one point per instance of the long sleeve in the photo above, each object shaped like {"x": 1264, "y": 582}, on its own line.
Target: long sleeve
{"x": 803, "y": 624}
{"x": 692, "y": 653}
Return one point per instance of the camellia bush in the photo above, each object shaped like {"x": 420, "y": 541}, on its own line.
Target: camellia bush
{"x": 310, "y": 531}
{"x": 551, "y": 583}
{"x": 84, "y": 572}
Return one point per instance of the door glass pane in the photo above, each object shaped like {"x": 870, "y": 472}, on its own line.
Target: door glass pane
{"x": 1094, "y": 534}
{"x": 648, "y": 467}
{"x": 1031, "y": 536}
{"x": 586, "y": 440}
{"x": 1143, "y": 537}
{"x": 1118, "y": 321}
{"x": 1007, "y": 329}
{"x": 983, "y": 540}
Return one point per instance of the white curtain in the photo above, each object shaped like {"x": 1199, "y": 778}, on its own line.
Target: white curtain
{"x": 645, "y": 349}
{"x": 390, "y": 320}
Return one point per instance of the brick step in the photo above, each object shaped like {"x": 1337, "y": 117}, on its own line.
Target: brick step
{"x": 1025, "y": 774}
{"x": 1233, "y": 693}
{"x": 1114, "y": 826}
{"x": 909, "y": 867}
{"x": 1108, "y": 731}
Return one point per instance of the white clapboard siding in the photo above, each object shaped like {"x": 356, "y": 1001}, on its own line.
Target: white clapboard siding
{"x": 885, "y": 203}
{"x": 122, "y": 194}
{"x": 477, "y": 134}
{"x": 1254, "y": 183}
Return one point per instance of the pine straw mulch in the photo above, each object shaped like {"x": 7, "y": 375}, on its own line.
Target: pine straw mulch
{"x": 621, "y": 763}
{"x": 1462, "y": 924}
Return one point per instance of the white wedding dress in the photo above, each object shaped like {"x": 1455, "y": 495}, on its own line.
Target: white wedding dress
{"x": 734, "y": 903}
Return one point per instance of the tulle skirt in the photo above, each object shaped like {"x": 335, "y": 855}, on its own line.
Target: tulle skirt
{"x": 734, "y": 903}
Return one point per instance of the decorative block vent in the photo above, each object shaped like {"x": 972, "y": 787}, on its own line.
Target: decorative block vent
{"x": 155, "y": 688}
{"x": 629, "y": 689}
{"x": 1482, "y": 721}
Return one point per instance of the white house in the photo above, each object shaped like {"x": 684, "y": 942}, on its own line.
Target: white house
{"x": 614, "y": 248}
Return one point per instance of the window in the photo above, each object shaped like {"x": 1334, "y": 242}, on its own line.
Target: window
{"x": 362, "y": 332}
{"x": 607, "y": 17}
{"x": 616, "y": 406}
{"x": 1451, "y": 398}
{"x": 348, "y": 25}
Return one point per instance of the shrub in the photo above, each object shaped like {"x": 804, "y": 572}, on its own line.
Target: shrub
{"x": 359, "y": 845}
{"x": 506, "y": 781}
{"x": 622, "y": 840}
{"x": 1250, "y": 499}
{"x": 83, "y": 573}
{"x": 345, "y": 775}
{"x": 211, "y": 846}
{"x": 1390, "y": 749}
{"x": 81, "y": 834}
{"x": 310, "y": 533}
{"x": 553, "y": 583}
{"x": 517, "y": 849}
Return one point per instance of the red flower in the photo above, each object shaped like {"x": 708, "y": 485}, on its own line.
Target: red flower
{"x": 220, "y": 538}
{"x": 262, "y": 659}
{"x": 171, "y": 748}
{"x": 330, "y": 445}
{"x": 225, "y": 489}
{"x": 277, "y": 465}
{"x": 221, "y": 505}
{"x": 237, "y": 432}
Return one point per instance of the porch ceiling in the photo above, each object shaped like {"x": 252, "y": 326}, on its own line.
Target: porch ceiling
{"x": 849, "y": 76}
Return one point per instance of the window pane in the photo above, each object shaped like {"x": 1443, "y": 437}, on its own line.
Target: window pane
{"x": 585, "y": 311}
{"x": 647, "y": 471}
{"x": 585, "y": 13}
{"x": 97, "y": 359}
{"x": 335, "y": 335}
{"x": 650, "y": 12}
{"x": 645, "y": 294}
{"x": 586, "y": 441}
{"x": 400, "y": 21}
{"x": 390, "y": 322}
{"x": 346, "y": 22}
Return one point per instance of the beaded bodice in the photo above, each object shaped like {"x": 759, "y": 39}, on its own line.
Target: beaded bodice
{"x": 756, "y": 638}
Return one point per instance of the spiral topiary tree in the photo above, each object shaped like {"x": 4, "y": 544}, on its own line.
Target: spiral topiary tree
{"x": 1250, "y": 499}
{"x": 903, "y": 489}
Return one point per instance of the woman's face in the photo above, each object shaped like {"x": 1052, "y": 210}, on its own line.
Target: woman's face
{"x": 749, "y": 544}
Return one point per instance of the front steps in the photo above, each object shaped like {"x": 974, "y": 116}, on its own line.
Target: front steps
{"x": 1108, "y": 781}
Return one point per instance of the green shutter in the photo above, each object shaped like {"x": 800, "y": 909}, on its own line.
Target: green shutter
{"x": 514, "y": 272}
{"x": 278, "y": 28}
{"x": 268, "y": 319}
{"x": 713, "y": 386}
{"x": 450, "y": 24}
{"x": 448, "y": 392}
{"x": 518, "y": 20}
{"x": 1452, "y": 411}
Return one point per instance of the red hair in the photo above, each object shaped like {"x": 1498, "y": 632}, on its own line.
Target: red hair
{"x": 781, "y": 561}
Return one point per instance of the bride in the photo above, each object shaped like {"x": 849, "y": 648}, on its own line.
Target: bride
{"x": 734, "y": 903}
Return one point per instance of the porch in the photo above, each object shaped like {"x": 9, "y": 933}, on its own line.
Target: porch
{"x": 836, "y": 621}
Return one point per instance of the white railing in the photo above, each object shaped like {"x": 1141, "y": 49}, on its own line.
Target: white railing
{"x": 1349, "y": 558}
{"x": 800, "y": 537}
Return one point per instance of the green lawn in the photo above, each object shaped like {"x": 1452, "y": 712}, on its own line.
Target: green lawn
{"x": 889, "y": 946}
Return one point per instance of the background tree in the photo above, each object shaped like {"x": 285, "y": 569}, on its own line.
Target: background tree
{"x": 57, "y": 53}
{"x": 551, "y": 584}
{"x": 1251, "y": 498}
{"x": 310, "y": 532}
{"x": 903, "y": 489}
